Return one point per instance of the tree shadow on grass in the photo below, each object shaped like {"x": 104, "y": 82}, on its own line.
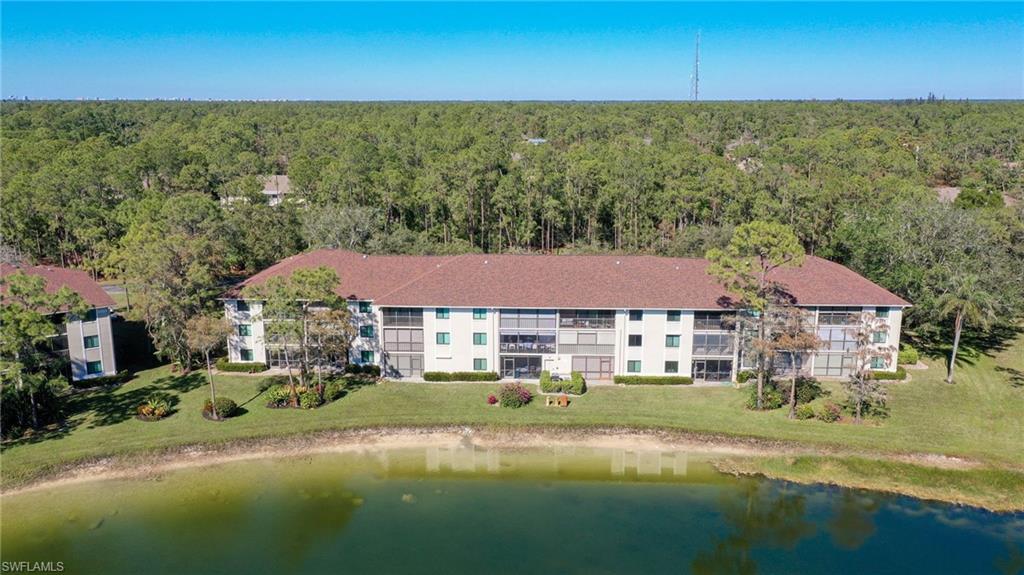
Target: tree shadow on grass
{"x": 113, "y": 407}
{"x": 1015, "y": 377}
{"x": 973, "y": 344}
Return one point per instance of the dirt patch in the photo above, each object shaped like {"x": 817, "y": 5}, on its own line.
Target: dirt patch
{"x": 189, "y": 456}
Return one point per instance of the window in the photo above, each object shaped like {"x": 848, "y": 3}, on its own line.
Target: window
{"x": 712, "y": 344}
{"x": 527, "y": 342}
{"x": 366, "y": 356}
{"x": 480, "y": 364}
{"x": 878, "y": 363}
{"x": 671, "y": 367}
{"x": 838, "y": 315}
{"x": 671, "y": 341}
{"x": 587, "y": 318}
{"x": 713, "y": 321}
{"x": 443, "y": 338}
{"x": 442, "y": 313}
{"x": 528, "y": 319}
{"x": 479, "y": 313}
{"x": 245, "y": 354}
{"x": 90, "y": 315}
{"x": 241, "y": 305}
{"x": 879, "y": 337}
{"x": 93, "y": 367}
{"x": 366, "y": 331}
{"x": 403, "y": 339}
{"x": 636, "y": 340}
{"x": 833, "y": 364}
{"x": 479, "y": 338}
{"x": 244, "y": 329}
{"x": 882, "y": 312}
{"x": 91, "y": 341}
{"x": 837, "y": 339}
{"x": 633, "y": 366}
{"x": 403, "y": 316}
{"x": 674, "y": 315}
{"x": 364, "y": 307}
{"x": 636, "y": 314}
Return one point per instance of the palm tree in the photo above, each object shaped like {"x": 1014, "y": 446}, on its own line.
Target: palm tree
{"x": 967, "y": 302}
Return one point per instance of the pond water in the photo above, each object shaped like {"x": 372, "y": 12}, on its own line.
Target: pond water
{"x": 468, "y": 509}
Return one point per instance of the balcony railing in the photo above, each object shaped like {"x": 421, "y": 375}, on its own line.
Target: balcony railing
{"x": 528, "y": 322}
{"x": 586, "y": 349}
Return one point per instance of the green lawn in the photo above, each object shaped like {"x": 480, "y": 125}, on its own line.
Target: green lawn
{"x": 979, "y": 417}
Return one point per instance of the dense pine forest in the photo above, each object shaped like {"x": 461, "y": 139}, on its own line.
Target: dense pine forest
{"x": 107, "y": 185}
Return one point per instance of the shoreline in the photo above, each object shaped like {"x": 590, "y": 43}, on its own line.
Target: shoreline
{"x": 732, "y": 455}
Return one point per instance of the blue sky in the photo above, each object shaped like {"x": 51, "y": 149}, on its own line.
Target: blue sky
{"x": 491, "y": 51}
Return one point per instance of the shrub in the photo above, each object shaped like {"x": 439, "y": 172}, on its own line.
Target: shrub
{"x": 808, "y": 389}
{"x": 514, "y": 395}
{"x": 310, "y": 399}
{"x": 104, "y": 380}
{"x": 653, "y": 380}
{"x": 908, "y": 355}
{"x": 771, "y": 397}
{"x": 226, "y": 407}
{"x": 334, "y": 389}
{"x": 278, "y": 395}
{"x": 744, "y": 376}
{"x": 576, "y": 385}
{"x": 491, "y": 399}
{"x": 899, "y": 375}
{"x": 804, "y": 412}
{"x": 829, "y": 412}
{"x": 367, "y": 369}
{"x": 155, "y": 408}
{"x": 239, "y": 367}
{"x": 460, "y": 376}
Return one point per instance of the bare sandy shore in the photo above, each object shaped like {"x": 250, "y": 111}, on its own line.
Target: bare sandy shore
{"x": 364, "y": 440}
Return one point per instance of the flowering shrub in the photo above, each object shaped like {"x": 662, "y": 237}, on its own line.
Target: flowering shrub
{"x": 491, "y": 400}
{"x": 514, "y": 395}
{"x": 829, "y": 413}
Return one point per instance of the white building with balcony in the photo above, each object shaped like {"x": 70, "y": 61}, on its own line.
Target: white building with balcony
{"x": 600, "y": 315}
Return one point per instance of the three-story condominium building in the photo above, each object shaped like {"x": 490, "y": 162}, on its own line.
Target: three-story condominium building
{"x": 599, "y": 315}
{"x": 87, "y": 343}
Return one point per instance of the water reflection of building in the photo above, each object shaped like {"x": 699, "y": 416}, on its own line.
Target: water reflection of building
{"x": 464, "y": 459}
{"x": 560, "y": 461}
{"x": 648, "y": 463}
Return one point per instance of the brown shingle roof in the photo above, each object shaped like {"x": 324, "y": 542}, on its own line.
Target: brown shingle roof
{"x": 56, "y": 278}
{"x": 547, "y": 281}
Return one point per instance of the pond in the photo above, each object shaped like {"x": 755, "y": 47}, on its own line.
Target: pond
{"x": 467, "y": 509}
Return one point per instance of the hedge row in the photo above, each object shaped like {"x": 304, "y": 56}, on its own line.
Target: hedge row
{"x": 575, "y": 385}
{"x": 460, "y": 376}
{"x": 653, "y": 380}
{"x": 368, "y": 369}
{"x": 116, "y": 379}
{"x": 247, "y": 367}
{"x": 899, "y": 374}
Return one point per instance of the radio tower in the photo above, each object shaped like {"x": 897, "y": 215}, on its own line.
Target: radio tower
{"x": 695, "y": 88}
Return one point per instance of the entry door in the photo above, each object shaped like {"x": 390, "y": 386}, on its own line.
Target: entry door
{"x": 700, "y": 370}
{"x": 508, "y": 367}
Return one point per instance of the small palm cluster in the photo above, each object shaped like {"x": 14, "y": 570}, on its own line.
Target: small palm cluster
{"x": 154, "y": 408}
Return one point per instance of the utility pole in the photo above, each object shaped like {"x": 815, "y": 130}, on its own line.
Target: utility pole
{"x": 696, "y": 70}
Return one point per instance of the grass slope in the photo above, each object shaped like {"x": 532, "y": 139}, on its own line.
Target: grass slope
{"x": 977, "y": 418}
